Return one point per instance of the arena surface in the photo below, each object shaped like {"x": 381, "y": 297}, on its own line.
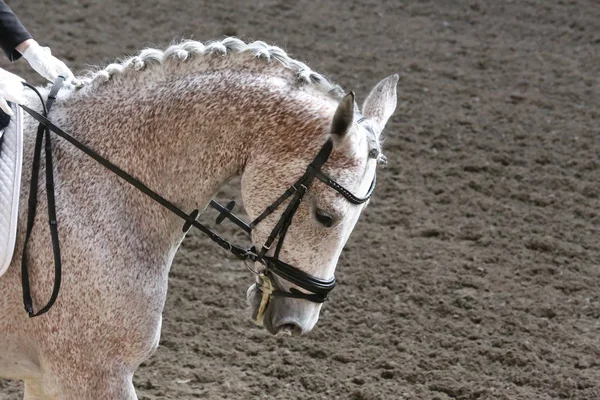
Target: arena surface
{"x": 474, "y": 272}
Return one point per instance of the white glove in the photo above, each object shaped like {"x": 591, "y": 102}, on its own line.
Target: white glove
{"x": 44, "y": 63}
{"x": 11, "y": 89}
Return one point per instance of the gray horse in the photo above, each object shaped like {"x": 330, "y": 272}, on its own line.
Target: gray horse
{"x": 184, "y": 121}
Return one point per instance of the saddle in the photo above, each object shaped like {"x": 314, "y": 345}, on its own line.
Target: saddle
{"x": 11, "y": 158}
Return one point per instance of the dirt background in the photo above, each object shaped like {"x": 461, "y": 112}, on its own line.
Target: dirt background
{"x": 474, "y": 272}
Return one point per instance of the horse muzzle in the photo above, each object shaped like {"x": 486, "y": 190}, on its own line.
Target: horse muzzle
{"x": 280, "y": 314}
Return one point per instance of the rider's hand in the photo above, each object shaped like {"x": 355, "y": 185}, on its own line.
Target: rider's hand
{"x": 41, "y": 59}
{"x": 11, "y": 89}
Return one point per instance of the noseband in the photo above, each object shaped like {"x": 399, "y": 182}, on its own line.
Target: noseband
{"x": 317, "y": 288}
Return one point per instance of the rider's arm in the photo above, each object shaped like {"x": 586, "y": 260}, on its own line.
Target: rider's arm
{"x": 17, "y": 42}
{"x": 12, "y": 33}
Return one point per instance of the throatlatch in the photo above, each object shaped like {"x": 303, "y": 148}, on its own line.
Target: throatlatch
{"x": 317, "y": 288}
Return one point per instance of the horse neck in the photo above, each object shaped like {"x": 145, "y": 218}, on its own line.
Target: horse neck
{"x": 185, "y": 136}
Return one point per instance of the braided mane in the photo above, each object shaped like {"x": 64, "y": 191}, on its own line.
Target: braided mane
{"x": 188, "y": 50}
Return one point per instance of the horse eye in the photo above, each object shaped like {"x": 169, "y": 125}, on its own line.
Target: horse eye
{"x": 324, "y": 218}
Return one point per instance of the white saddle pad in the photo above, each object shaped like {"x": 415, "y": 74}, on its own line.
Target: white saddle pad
{"x": 11, "y": 158}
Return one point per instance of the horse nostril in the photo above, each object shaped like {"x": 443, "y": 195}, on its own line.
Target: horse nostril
{"x": 289, "y": 329}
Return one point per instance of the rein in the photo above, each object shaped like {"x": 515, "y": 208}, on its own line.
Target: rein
{"x": 318, "y": 288}
{"x": 43, "y": 135}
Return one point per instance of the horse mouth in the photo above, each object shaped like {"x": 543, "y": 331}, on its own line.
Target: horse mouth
{"x": 253, "y": 299}
{"x": 280, "y": 328}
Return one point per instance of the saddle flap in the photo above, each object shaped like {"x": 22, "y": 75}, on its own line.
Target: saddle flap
{"x": 11, "y": 159}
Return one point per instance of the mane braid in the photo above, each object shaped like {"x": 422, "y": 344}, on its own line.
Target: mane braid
{"x": 189, "y": 49}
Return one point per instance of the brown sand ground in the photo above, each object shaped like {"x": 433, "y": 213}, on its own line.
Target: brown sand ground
{"x": 473, "y": 274}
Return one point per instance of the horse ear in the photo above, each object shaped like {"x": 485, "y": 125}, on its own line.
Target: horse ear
{"x": 343, "y": 117}
{"x": 381, "y": 102}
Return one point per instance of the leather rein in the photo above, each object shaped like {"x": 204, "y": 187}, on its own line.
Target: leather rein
{"x": 317, "y": 288}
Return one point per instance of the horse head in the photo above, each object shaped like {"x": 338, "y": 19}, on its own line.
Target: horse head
{"x": 328, "y": 211}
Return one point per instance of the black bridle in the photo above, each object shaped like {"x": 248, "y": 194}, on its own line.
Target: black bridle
{"x": 317, "y": 288}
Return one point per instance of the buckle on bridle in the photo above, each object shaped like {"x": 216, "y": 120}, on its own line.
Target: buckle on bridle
{"x": 302, "y": 186}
